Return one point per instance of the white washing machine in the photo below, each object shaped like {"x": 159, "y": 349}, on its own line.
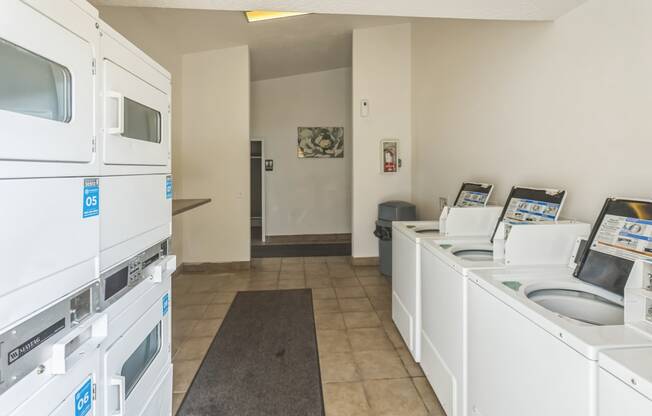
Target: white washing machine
{"x": 625, "y": 382}
{"x": 535, "y": 338}
{"x": 136, "y": 355}
{"x": 50, "y": 362}
{"x": 46, "y": 106}
{"x": 527, "y": 234}
{"x": 406, "y": 259}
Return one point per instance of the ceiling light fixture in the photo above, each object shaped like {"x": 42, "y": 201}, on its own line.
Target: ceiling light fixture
{"x": 260, "y": 15}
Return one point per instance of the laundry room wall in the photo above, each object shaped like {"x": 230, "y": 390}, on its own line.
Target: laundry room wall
{"x": 215, "y": 107}
{"x": 304, "y": 196}
{"x": 558, "y": 104}
{"x": 381, "y": 74}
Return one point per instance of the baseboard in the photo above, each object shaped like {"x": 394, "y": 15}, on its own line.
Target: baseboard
{"x": 364, "y": 261}
{"x": 234, "y": 266}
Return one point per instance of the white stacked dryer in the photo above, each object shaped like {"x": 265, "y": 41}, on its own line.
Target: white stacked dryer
{"x": 406, "y": 259}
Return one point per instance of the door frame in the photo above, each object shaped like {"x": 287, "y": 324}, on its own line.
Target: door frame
{"x": 263, "y": 186}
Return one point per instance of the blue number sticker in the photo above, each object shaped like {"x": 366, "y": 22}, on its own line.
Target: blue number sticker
{"x": 84, "y": 399}
{"x": 91, "y": 198}
{"x": 166, "y": 304}
{"x": 168, "y": 187}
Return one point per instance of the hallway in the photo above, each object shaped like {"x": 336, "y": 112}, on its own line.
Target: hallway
{"x": 365, "y": 367}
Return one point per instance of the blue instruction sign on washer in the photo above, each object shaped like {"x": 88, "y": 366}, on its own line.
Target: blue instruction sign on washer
{"x": 168, "y": 187}
{"x": 84, "y": 399}
{"x": 91, "y": 201}
{"x": 166, "y": 304}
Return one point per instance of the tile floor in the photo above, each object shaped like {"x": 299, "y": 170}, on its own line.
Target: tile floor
{"x": 366, "y": 369}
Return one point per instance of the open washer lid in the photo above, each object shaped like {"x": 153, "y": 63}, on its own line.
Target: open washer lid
{"x": 531, "y": 205}
{"x": 622, "y": 234}
{"x": 473, "y": 194}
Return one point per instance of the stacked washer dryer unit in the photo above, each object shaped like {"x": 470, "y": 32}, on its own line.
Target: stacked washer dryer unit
{"x": 527, "y": 233}
{"x": 548, "y": 341}
{"x": 135, "y": 260}
{"x": 50, "y": 326}
{"x": 406, "y": 257}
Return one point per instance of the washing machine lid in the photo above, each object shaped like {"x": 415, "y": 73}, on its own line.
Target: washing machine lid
{"x": 473, "y": 194}
{"x": 622, "y": 235}
{"x": 531, "y": 205}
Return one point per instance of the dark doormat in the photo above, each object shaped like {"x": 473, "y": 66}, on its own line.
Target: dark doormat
{"x": 301, "y": 250}
{"x": 263, "y": 361}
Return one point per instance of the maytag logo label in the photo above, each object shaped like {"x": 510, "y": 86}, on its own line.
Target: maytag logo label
{"x": 27, "y": 346}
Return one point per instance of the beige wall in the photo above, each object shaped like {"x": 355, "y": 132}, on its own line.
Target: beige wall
{"x": 215, "y": 154}
{"x": 382, "y": 74}
{"x": 564, "y": 104}
{"x": 304, "y": 196}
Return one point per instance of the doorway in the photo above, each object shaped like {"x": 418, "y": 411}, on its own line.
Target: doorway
{"x": 257, "y": 191}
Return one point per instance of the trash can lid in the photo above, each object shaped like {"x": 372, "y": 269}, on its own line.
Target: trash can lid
{"x": 396, "y": 211}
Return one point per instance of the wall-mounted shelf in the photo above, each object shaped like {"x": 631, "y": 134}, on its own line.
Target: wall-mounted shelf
{"x": 183, "y": 205}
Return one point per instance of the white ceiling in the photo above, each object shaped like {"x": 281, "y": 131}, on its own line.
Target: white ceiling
{"x": 298, "y": 44}
{"x": 465, "y": 9}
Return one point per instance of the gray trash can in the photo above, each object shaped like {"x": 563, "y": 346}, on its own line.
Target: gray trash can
{"x": 387, "y": 212}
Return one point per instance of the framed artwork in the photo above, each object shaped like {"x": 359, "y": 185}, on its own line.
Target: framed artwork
{"x": 389, "y": 156}
{"x": 320, "y": 142}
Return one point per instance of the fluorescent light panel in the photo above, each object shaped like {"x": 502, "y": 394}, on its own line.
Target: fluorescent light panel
{"x": 259, "y": 15}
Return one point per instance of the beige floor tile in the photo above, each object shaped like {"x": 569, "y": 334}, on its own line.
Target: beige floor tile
{"x": 187, "y": 312}
{"x": 329, "y": 321}
{"x": 291, "y": 275}
{"x": 341, "y": 272}
{"x": 259, "y": 275}
{"x": 326, "y": 305}
{"x": 263, "y": 285}
{"x": 379, "y": 364}
{"x": 323, "y": 293}
{"x": 345, "y": 399}
{"x": 206, "y": 328}
{"x": 394, "y": 335}
{"x": 292, "y": 284}
{"x": 332, "y": 340}
{"x": 346, "y": 282}
{"x": 314, "y": 260}
{"x": 381, "y": 304}
{"x": 412, "y": 367}
{"x": 180, "y": 286}
{"x": 176, "y": 344}
{"x": 292, "y": 268}
{"x": 338, "y": 260}
{"x": 177, "y": 399}
{"x": 366, "y": 271}
{"x": 224, "y": 297}
{"x": 203, "y": 298}
{"x": 338, "y": 367}
{"x": 394, "y": 397}
{"x": 350, "y": 292}
{"x": 369, "y": 339}
{"x": 355, "y": 305}
{"x": 184, "y": 371}
{"x": 428, "y": 396}
{"x": 354, "y": 320}
{"x": 378, "y": 291}
{"x": 203, "y": 287}
{"x": 385, "y": 316}
{"x": 291, "y": 260}
{"x": 318, "y": 282}
{"x": 182, "y": 328}
{"x": 316, "y": 268}
{"x": 372, "y": 281}
{"x": 193, "y": 348}
{"x": 215, "y": 311}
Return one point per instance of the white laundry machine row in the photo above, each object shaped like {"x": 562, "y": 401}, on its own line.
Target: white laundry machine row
{"x": 475, "y": 219}
{"x": 526, "y": 233}
{"x": 541, "y": 340}
{"x": 50, "y": 361}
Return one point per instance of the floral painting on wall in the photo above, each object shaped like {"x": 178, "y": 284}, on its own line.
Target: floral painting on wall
{"x": 320, "y": 142}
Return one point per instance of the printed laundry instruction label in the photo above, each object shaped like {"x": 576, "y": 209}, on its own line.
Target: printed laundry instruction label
{"x": 84, "y": 398}
{"x": 531, "y": 210}
{"x": 472, "y": 199}
{"x": 166, "y": 304}
{"x": 91, "y": 201}
{"x": 625, "y": 237}
{"x": 168, "y": 187}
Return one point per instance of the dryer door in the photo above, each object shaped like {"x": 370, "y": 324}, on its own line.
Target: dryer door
{"x": 136, "y": 109}
{"x": 46, "y": 92}
{"x": 135, "y": 362}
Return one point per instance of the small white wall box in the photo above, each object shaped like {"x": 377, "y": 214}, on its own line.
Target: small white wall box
{"x": 390, "y": 161}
